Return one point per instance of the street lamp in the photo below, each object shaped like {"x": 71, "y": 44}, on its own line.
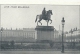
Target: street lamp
{"x": 71, "y": 37}
{"x": 63, "y": 22}
{"x": 1, "y": 37}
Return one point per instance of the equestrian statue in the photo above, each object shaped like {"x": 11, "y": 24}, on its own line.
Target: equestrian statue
{"x": 46, "y": 15}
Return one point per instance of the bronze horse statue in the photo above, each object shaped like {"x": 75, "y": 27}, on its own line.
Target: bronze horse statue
{"x": 47, "y": 17}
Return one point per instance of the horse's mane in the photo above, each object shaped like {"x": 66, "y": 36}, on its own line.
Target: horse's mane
{"x": 48, "y": 11}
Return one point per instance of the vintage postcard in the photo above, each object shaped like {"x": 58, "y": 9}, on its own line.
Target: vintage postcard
{"x": 39, "y": 29}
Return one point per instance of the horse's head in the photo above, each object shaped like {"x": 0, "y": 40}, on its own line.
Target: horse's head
{"x": 51, "y": 12}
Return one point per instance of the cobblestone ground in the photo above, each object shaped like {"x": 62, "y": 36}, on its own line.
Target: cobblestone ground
{"x": 39, "y": 52}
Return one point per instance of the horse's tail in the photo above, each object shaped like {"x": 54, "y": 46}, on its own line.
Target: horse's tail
{"x": 36, "y": 18}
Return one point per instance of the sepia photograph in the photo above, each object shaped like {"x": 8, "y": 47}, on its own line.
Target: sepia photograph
{"x": 39, "y": 29}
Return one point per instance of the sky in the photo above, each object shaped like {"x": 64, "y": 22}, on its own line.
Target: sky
{"x": 14, "y": 17}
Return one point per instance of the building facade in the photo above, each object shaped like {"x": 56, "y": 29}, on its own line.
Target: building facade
{"x": 73, "y": 37}
{"x": 26, "y": 35}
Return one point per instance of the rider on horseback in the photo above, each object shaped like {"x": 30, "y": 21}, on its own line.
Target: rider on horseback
{"x": 44, "y": 13}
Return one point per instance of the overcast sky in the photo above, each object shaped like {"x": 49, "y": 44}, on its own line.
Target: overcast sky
{"x": 14, "y": 17}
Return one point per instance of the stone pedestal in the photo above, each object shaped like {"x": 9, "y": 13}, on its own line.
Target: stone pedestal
{"x": 45, "y": 33}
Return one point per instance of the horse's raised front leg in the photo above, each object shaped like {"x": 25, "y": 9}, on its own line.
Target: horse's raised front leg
{"x": 51, "y": 21}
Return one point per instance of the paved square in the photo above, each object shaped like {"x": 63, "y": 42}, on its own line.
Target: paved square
{"x": 39, "y": 52}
